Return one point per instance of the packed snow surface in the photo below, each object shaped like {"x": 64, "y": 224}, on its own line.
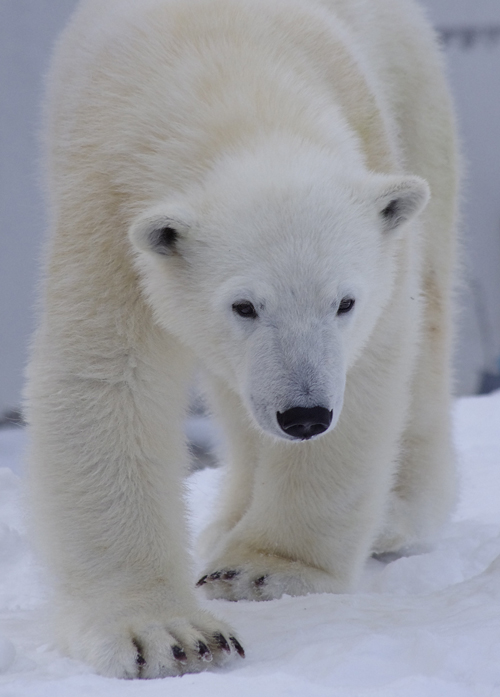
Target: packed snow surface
{"x": 421, "y": 626}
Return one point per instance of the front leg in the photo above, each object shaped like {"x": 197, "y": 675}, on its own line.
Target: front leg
{"x": 316, "y": 505}
{"x": 107, "y": 465}
{"x": 244, "y": 574}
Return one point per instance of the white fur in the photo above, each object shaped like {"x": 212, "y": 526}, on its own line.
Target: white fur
{"x": 271, "y": 135}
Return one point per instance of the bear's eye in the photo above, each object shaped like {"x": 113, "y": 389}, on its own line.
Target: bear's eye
{"x": 346, "y": 305}
{"x": 245, "y": 309}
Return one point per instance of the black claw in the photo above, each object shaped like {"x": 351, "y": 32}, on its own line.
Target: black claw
{"x": 179, "y": 654}
{"x": 239, "y": 648}
{"x": 260, "y": 581}
{"x": 202, "y": 581}
{"x": 221, "y": 642}
{"x": 204, "y": 652}
{"x": 215, "y": 576}
{"x": 228, "y": 575}
{"x": 139, "y": 659}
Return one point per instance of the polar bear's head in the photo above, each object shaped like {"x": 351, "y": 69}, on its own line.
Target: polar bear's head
{"x": 275, "y": 272}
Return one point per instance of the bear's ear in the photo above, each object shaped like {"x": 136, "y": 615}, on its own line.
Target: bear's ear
{"x": 401, "y": 199}
{"x": 158, "y": 233}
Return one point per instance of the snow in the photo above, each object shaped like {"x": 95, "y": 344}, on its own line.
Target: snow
{"x": 421, "y": 626}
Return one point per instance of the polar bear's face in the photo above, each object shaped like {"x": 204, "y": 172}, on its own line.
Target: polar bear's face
{"x": 277, "y": 283}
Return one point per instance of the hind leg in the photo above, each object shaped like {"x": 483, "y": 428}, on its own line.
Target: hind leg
{"x": 425, "y": 486}
{"x": 240, "y": 455}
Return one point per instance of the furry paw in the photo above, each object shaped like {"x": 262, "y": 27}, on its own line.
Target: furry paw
{"x": 265, "y": 577}
{"x": 406, "y": 531}
{"x": 148, "y": 647}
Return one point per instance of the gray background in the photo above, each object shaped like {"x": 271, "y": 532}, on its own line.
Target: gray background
{"x": 471, "y": 29}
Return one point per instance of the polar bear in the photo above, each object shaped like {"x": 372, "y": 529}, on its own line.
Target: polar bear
{"x": 265, "y": 189}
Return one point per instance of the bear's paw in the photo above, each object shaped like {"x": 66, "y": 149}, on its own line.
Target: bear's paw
{"x": 265, "y": 577}
{"x": 154, "y": 648}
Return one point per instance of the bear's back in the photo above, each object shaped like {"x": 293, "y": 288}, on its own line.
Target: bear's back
{"x": 185, "y": 78}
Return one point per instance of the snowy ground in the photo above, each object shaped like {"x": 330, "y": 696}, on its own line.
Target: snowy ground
{"x": 422, "y": 626}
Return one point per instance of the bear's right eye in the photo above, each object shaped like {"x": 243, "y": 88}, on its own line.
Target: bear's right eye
{"x": 245, "y": 309}
{"x": 345, "y": 306}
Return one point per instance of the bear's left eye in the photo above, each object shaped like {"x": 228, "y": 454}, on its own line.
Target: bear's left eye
{"x": 346, "y": 305}
{"x": 245, "y": 309}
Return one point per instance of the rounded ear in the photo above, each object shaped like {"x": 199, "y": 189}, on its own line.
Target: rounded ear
{"x": 401, "y": 200}
{"x": 158, "y": 231}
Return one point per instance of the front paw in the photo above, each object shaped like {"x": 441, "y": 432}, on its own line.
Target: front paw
{"x": 264, "y": 577}
{"x": 135, "y": 646}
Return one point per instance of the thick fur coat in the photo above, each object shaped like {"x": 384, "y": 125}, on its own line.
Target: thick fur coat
{"x": 265, "y": 189}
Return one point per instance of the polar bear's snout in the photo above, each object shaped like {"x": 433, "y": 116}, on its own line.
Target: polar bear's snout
{"x": 294, "y": 374}
{"x": 305, "y": 422}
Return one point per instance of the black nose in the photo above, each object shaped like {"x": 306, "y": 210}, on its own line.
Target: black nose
{"x": 303, "y": 422}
